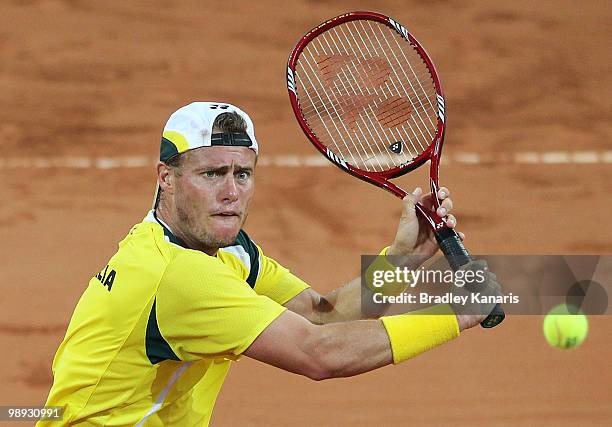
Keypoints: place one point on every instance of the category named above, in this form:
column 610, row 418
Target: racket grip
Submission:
column 457, row 255
column 452, row 247
column 494, row 318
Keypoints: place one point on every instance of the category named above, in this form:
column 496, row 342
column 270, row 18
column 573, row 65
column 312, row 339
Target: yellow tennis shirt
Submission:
column 152, row 337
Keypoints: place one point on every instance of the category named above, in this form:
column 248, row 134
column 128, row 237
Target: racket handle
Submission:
column 452, row 247
column 457, row 255
column 494, row 318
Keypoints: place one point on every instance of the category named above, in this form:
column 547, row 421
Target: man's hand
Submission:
column 472, row 313
column 414, row 237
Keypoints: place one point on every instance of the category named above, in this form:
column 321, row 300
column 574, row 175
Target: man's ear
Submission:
column 165, row 177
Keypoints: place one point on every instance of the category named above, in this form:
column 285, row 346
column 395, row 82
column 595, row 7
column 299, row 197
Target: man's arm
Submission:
column 319, row 352
column 341, row 305
column 413, row 239
column 344, row 349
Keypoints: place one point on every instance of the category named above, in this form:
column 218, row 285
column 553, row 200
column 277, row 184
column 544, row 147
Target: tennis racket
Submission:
column 368, row 97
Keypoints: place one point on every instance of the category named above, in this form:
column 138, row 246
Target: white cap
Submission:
column 190, row 127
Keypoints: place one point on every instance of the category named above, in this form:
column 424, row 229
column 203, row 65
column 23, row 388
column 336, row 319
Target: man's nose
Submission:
column 229, row 191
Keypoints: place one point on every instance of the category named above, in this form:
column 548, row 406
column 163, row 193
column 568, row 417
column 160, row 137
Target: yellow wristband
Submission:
column 414, row 333
column 382, row 265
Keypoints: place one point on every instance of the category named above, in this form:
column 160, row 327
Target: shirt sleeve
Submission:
column 205, row 310
column 276, row 282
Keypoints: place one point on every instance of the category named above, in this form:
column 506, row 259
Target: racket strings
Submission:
column 409, row 80
column 417, row 128
column 384, row 66
column 368, row 96
column 352, row 105
column 330, row 110
column 395, row 90
column 417, row 79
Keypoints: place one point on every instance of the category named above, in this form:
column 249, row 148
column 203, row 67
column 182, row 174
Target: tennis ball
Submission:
column 565, row 327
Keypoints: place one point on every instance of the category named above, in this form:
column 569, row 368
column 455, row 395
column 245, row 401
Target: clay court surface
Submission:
column 98, row 79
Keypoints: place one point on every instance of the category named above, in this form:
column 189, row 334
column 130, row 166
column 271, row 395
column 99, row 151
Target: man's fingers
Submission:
column 411, row 200
column 443, row 193
column 427, row 201
column 445, row 207
column 447, row 203
column 451, row 221
column 461, row 235
column 417, row 194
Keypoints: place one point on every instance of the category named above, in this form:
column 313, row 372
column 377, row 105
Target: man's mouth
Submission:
column 226, row 214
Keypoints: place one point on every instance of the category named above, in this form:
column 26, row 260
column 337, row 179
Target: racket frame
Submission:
column 380, row 179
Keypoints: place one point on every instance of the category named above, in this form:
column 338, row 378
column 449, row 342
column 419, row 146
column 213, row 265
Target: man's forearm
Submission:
column 322, row 351
column 352, row 348
column 356, row 300
column 350, row 302
column 349, row 348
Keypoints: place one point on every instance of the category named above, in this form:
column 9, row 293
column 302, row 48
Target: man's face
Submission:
column 212, row 192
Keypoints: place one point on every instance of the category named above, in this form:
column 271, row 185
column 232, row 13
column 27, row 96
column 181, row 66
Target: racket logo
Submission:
column 335, row 158
column 291, row 81
column 399, row 28
column 440, row 107
column 396, row 147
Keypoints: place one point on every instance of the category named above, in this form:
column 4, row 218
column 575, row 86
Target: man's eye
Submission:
column 244, row 175
column 210, row 174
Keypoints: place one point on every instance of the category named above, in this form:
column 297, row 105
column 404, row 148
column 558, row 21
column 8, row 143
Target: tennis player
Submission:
column 188, row 292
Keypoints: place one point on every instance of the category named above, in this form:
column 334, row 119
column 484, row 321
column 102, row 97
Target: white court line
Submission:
column 312, row 160
column 585, row 157
column 556, row 157
column 467, row 158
